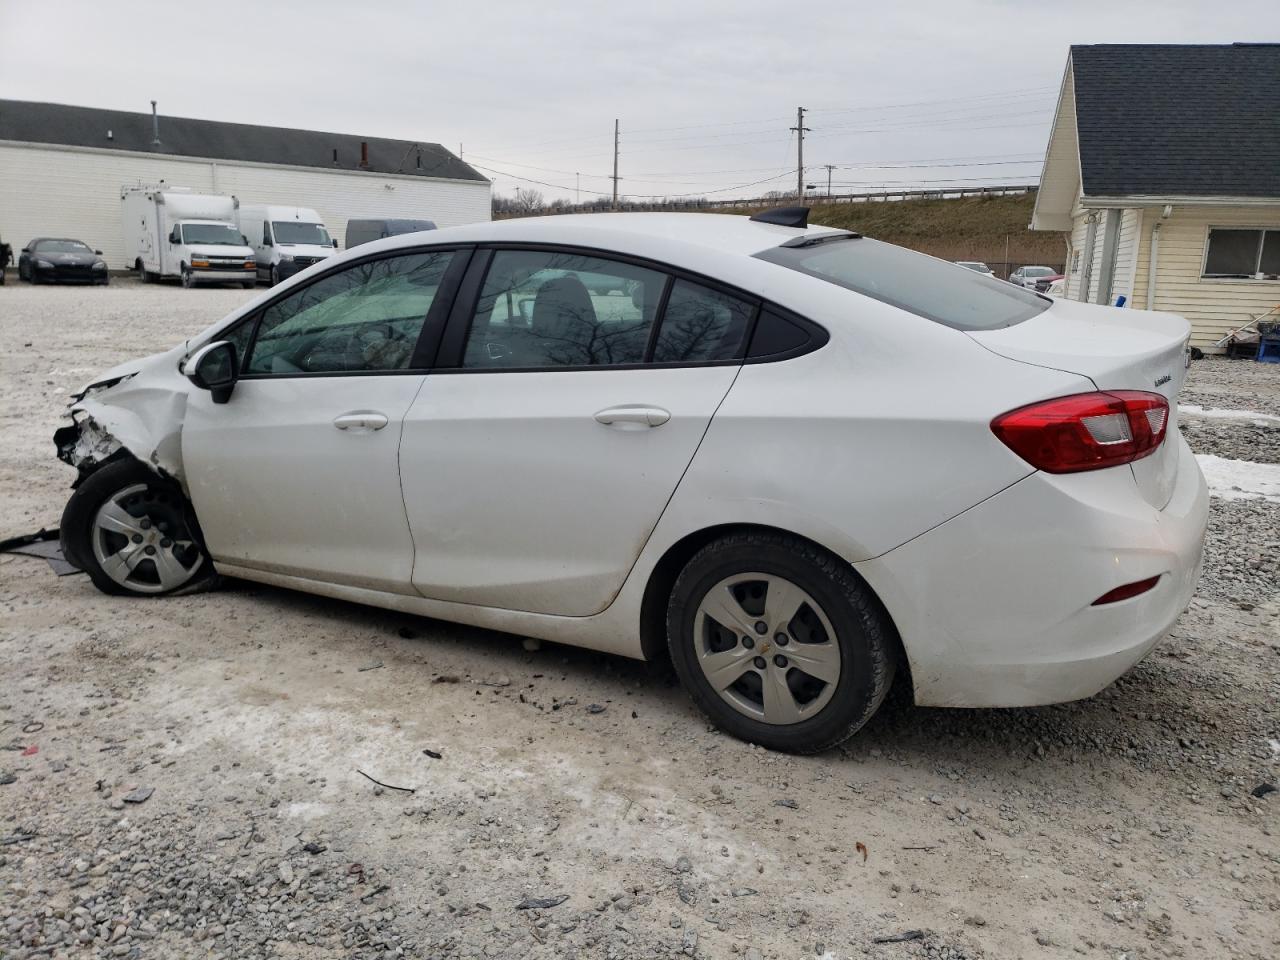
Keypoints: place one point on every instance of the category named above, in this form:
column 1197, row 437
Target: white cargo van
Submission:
column 174, row 232
column 284, row 239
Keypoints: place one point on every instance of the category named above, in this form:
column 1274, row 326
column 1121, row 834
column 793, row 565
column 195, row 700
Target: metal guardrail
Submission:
column 813, row 199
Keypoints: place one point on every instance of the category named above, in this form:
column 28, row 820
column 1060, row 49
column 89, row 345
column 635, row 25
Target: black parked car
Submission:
column 47, row 260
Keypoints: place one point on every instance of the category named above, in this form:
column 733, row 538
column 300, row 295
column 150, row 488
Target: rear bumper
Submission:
column 994, row 606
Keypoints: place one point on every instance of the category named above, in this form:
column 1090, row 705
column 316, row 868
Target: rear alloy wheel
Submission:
column 131, row 531
column 779, row 642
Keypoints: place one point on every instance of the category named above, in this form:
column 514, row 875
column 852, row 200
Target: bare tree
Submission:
column 528, row 201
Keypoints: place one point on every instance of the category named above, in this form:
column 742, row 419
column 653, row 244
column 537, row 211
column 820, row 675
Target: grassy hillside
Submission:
column 972, row 228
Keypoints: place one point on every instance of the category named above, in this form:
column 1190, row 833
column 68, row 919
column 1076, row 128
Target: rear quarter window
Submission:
column 934, row 289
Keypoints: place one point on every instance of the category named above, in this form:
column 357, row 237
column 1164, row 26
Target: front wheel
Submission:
column 188, row 280
column 274, row 277
column 132, row 531
column 779, row 642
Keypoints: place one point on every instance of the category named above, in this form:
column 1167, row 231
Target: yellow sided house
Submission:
column 1164, row 165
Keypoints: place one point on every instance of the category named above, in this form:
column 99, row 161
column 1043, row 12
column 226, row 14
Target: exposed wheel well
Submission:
column 653, row 608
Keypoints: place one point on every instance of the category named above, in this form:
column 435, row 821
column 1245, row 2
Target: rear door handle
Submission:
column 361, row 421
column 633, row 413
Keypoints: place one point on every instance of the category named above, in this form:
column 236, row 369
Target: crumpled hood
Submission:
column 129, row 368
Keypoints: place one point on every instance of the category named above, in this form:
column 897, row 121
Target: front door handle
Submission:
column 361, row 421
column 633, row 413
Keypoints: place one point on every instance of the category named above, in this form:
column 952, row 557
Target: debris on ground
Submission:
column 904, row 937
column 541, row 903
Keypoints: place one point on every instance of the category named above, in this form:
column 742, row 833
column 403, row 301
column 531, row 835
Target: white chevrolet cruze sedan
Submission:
column 791, row 459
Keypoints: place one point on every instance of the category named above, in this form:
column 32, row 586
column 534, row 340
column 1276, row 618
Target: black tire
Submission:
column 865, row 637
column 172, row 513
column 188, row 280
column 274, row 277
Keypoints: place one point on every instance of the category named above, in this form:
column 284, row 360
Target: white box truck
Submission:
column 285, row 240
column 174, row 232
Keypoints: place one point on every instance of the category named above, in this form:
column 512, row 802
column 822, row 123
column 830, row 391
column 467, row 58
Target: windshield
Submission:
column 62, row 246
column 1039, row 272
column 290, row 232
column 215, row 234
column 934, row 289
column 973, row 265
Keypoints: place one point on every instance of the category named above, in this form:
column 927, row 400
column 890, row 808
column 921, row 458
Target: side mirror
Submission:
column 266, row 242
column 173, row 237
column 245, row 240
column 97, row 253
column 335, row 244
column 214, row 367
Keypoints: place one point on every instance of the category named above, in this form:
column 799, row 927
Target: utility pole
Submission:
column 800, row 130
column 830, row 167
column 577, row 189
column 615, row 165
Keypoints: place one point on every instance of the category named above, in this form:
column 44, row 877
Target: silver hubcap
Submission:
column 140, row 541
column 767, row 648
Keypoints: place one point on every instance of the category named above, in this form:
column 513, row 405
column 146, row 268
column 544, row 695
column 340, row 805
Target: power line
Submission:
column 764, row 123
column 640, row 196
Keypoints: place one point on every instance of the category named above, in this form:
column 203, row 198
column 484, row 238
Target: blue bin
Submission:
column 1268, row 349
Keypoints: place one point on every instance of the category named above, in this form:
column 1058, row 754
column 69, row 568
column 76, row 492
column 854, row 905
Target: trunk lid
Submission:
column 1117, row 349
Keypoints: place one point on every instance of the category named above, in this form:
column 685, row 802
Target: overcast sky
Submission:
column 960, row 91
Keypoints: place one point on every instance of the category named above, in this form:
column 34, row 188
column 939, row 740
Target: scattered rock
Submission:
column 541, row 903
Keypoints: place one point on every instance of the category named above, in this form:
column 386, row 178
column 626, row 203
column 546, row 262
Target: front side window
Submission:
column 1243, row 254
column 929, row 288
column 365, row 318
column 541, row 309
column 701, row 325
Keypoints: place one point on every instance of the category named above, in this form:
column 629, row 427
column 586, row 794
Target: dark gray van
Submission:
column 362, row 231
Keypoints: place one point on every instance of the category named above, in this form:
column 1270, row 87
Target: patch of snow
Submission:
column 1240, row 479
column 1261, row 419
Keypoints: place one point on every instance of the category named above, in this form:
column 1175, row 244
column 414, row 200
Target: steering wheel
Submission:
column 376, row 346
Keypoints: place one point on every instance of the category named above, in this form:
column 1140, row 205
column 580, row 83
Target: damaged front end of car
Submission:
column 137, row 412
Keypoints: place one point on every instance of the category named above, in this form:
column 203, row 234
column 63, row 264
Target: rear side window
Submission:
column 929, row 288
column 777, row 337
column 552, row 309
column 701, row 325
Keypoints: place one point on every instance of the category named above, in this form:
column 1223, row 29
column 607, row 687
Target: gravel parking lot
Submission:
column 180, row 778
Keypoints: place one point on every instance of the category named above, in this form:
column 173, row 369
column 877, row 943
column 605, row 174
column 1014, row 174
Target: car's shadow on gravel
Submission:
column 1147, row 716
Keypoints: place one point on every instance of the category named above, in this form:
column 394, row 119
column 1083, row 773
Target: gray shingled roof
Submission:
column 1167, row 120
column 64, row 125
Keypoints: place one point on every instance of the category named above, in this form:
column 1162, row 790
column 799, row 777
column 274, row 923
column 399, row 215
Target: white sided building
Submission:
column 62, row 170
column 1163, row 169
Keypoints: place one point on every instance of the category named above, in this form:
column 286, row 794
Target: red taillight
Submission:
column 1127, row 591
column 1086, row 431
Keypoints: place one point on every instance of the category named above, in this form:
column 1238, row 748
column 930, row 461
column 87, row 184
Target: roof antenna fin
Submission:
column 784, row 217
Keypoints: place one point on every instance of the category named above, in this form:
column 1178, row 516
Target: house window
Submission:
column 1243, row 254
